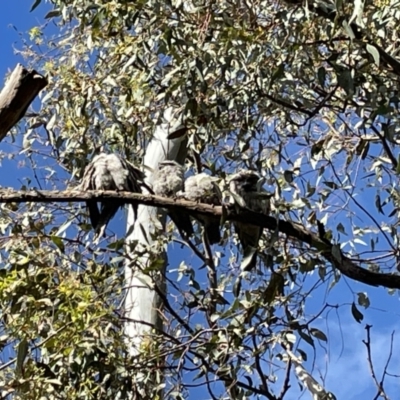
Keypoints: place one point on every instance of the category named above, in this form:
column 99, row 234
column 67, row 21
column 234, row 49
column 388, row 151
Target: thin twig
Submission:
column 381, row 391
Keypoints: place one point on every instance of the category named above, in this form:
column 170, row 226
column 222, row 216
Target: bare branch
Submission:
column 331, row 252
column 18, row 93
column 379, row 385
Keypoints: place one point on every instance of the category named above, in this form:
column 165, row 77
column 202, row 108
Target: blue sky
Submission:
column 15, row 23
column 15, row 14
column 345, row 366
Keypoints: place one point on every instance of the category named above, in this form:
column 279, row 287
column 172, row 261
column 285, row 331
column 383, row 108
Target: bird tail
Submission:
column 108, row 210
column 212, row 232
column 182, row 222
column 94, row 214
column 249, row 235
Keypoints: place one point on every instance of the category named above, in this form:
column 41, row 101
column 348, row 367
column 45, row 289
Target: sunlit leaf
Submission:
column 374, row 52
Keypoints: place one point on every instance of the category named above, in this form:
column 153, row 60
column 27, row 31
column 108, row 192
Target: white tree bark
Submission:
column 20, row 90
column 142, row 302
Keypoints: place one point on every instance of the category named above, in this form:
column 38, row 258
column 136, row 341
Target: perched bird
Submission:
column 168, row 180
column 201, row 188
column 109, row 172
column 245, row 187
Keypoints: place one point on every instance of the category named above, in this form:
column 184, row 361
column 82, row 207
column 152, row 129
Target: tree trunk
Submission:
column 143, row 304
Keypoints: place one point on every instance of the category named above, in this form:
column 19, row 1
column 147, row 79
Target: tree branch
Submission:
column 381, row 391
column 330, row 251
column 21, row 88
column 361, row 35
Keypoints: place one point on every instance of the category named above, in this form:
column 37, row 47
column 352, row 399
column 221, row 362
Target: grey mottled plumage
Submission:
column 201, row 188
column 246, row 187
column 168, row 180
column 109, row 172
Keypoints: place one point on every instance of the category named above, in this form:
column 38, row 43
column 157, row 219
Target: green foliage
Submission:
column 309, row 102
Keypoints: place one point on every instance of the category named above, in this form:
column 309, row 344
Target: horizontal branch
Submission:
column 292, row 229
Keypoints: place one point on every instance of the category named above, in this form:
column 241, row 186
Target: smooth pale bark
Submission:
column 142, row 303
column 20, row 90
